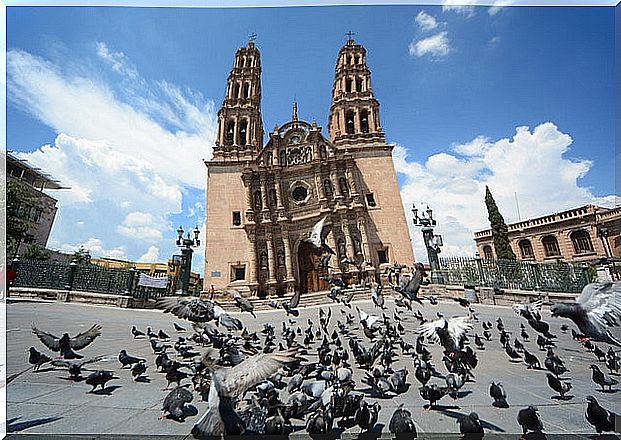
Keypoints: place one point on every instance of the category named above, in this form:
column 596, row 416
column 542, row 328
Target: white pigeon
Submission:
column 317, row 237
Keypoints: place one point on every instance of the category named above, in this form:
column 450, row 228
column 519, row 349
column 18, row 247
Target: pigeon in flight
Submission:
column 66, row 344
column 317, row 237
column 597, row 308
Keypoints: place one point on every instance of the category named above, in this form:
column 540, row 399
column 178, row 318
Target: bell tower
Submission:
column 354, row 113
column 240, row 126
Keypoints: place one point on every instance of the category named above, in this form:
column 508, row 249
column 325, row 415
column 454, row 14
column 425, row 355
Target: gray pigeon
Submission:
column 174, row 403
column 597, row 308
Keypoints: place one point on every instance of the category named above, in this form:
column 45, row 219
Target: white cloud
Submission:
column 436, row 46
column 125, row 146
column 117, row 60
column 151, row 256
column 425, row 21
column 498, row 6
column 141, row 226
column 494, row 41
column 458, row 7
column 533, row 164
column 97, row 249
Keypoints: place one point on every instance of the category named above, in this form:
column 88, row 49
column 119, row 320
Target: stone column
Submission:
column 371, row 116
column 252, row 256
column 278, row 189
column 343, row 124
column 235, row 130
column 348, row 243
column 264, row 194
column 362, row 226
column 356, row 121
column 288, row 261
column 270, row 258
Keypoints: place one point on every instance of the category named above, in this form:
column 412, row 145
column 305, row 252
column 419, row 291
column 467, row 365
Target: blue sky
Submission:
column 118, row 101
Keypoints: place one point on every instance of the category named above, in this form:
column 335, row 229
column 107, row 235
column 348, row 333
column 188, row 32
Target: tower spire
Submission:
column 240, row 126
column 354, row 113
column 294, row 113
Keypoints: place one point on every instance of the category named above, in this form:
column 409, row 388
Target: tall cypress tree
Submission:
column 500, row 233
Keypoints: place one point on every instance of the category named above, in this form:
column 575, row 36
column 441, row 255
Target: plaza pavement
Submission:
column 46, row 402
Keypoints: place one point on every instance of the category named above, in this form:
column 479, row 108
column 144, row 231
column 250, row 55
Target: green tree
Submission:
column 81, row 256
column 36, row 252
column 17, row 199
column 499, row 228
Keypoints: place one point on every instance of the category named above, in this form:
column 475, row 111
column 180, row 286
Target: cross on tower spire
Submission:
column 252, row 37
column 350, row 34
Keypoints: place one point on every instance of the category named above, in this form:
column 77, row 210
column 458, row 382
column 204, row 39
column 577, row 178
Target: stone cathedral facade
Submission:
column 262, row 199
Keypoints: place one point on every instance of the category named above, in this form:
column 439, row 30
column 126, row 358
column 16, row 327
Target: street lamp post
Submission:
column 426, row 222
column 186, row 245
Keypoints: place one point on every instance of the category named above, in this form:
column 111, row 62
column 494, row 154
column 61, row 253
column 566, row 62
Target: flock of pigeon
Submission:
column 302, row 376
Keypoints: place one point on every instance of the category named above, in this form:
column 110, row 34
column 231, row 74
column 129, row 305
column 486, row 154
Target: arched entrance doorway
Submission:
column 309, row 271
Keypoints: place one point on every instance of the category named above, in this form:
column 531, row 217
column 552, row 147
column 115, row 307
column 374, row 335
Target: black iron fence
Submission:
column 511, row 274
column 85, row 277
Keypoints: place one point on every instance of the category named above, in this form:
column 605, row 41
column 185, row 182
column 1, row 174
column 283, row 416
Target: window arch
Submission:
column 364, row 121
column 230, row 132
column 348, row 85
column 358, row 84
column 243, row 132
column 236, row 90
column 327, row 188
column 488, row 254
column 526, row 249
column 247, row 90
column 581, row 240
column 550, row 246
column 349, row 122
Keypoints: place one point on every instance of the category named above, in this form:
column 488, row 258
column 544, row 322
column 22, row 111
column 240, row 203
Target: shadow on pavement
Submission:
column 486, row 425
column 16, row 427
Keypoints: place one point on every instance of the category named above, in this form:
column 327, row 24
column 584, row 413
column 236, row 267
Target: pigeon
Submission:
column 126, row 359
column 410, row 286
column 320, row 421
column 601, row 419
column 376, row 295
column 138, row 370
column 497, row 392
column 100, row 377
column 454, row 382
column 531, row 360
column 36, row 358
column 366, row 415
column 511, row 352
column 244, row 304
column 291, row 305
column 66, row 344
column 602, row 379
column 470, row 426
column 220, row 417
column 554, row 364
column 478, row 342
column 136, row 333
column 162, row 335
column 75, row 367
column 178, row 327
column 597, row 308
column 448, row 332
column 277, row 425
column 529, row 420
column 174, row 403
column 401, row 423
column 557, row 385
column 432, row 393
column 195, row 309
column 317, row 238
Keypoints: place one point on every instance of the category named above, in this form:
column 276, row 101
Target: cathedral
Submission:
column 264, row 199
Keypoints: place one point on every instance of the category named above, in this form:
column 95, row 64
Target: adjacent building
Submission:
column 580, row 234
column 40, row 210
column 263, row 199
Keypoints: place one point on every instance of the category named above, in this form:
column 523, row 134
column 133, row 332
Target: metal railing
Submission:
column 514, row 274
column 85, row 277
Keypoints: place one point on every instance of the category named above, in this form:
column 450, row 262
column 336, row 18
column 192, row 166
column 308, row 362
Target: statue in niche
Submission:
column 272, row 197
column 357, row 246
column 270, row 158
column 327, row 188
column 258, row 203
column 263, row 260
column 343, row 186
column 280, row 258
column 341, row 248
column 283, row 158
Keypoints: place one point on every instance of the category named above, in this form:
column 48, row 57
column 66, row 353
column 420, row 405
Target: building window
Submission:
column 349, row 122
column 246, row 90
column 236, row 218
column 358, row 85
column 283, row 158
column 371, row 200
column 550, row 246
column 582, row 242
column 230, row 132
column 526, row 249
column 364, row 121
column 236, row 91
column 238, row 273
column 348, row 85
column 299, row 193
column 488, row 254
column 382, row 256
column 243, row 128
column 327, row 188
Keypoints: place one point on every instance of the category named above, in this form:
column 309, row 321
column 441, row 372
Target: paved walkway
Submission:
column 46, row 402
